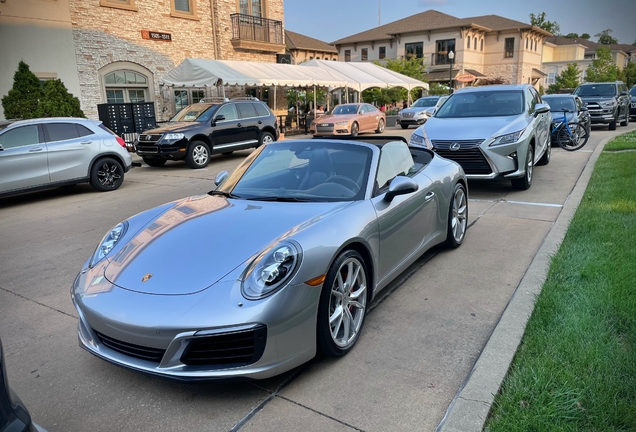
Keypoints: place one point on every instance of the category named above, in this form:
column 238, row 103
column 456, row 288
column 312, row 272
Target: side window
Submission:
column 61, row 131
column 395, row 160
column 246, row 110
column 20, row 136
column 83, row 130
column 229, row 111
column 261, row 109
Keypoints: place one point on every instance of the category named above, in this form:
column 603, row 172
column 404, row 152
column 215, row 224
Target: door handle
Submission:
column 35, row 149
column 238, row 125
column 86, row 142
column 429, row 196
column 260, row 122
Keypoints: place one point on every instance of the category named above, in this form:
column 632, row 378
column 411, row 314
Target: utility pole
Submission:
column 378, row 13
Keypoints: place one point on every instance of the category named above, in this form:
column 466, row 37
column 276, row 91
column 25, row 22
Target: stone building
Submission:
column 487, row 47
column 122, row 48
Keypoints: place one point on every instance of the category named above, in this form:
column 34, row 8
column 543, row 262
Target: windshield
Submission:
column 302, row 171
column 607, row 90
column 425, row 102
column 196, row 112
column 494, row 103
column 559, row 103
column 345, row 109
column 633, row 91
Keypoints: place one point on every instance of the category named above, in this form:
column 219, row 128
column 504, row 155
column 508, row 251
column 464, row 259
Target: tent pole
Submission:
column 314, row 100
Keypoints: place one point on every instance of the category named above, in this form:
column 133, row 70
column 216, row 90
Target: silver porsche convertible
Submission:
column 278, row 263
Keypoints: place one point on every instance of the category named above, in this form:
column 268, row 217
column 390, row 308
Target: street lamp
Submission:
column 451, row 56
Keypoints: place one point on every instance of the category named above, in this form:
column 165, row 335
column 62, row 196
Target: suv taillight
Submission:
column 121, row 141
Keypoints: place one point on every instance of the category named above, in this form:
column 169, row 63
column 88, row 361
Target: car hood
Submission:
column 417, row 109
column 473, row 127
column 173, row 127
column 197, row 241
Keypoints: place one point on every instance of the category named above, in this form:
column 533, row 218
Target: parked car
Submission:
column 421, row 110
column 49, row 152
column 206, row 128
column 578, row 111
column 491, row 131
column 632, row 104
column 14, row 416
column 279, row 262
column 349, row 119
column 607, row 102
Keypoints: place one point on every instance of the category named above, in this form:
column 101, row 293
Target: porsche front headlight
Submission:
column 271, row 270
column 108, row 243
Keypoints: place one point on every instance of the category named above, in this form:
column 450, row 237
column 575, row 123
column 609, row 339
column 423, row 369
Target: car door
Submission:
column 71, row 147
column 228, row 131
column 23, row 158
column 249, row 121
column 541, row 122
column 407, row 221
column 373, row 115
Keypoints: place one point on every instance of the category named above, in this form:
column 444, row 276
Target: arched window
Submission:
column 468, row 43
column 125, row 84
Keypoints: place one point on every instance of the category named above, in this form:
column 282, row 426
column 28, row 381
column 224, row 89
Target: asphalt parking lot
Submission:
column 418, row 345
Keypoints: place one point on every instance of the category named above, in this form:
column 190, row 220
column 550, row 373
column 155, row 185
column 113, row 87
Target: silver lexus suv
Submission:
column 491, row 131
column 48, row 152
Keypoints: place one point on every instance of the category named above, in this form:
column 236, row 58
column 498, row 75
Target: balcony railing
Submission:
column 257, row 29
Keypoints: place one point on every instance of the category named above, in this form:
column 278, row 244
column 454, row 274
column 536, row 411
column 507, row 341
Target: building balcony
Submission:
column 257, row 34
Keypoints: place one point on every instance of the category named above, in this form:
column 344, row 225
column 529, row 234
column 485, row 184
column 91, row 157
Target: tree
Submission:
column 602, row 69
column 412, row 67
column 572, row 35
column 58, row 102
column 629, row 74
column 540, row 21
column 586, row 36
column 604, row 37
column 24, row 97
column 436, row 89
column 568, row 79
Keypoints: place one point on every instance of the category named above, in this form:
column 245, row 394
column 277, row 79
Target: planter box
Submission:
column 391, row 120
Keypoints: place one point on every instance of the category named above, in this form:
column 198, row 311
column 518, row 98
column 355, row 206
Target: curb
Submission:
column 471, row 405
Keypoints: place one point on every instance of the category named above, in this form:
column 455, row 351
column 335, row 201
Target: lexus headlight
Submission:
column 271, row 270
column 342, row 123
column 108, row 243
column 419, row 138
column 508, row 138
column 173, row 137
column 608, row 104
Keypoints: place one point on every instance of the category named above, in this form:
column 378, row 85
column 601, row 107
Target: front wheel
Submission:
column 457, row 217
column 343, row 305
column 198, row 155
column 107, row 175
column 154, row 162
column 265, row 138
column 404, row 126
column 575, row 139
column 354, row 129
column 525, row 182
column 626, row 121
column 545, row 159
column 380, row 128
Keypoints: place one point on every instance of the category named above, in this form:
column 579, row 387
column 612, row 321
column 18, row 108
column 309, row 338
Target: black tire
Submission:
column 545, row 159
column 355, row 129
column 525, row 182
column 327, row 305
column 380, row 128
column 107, row 174
column 626, row 121
column 265, row 138
column 579, row 138
column 154, row 162
column 198, row 155
column 404, row 126
column 457, row 217
column 612, row 125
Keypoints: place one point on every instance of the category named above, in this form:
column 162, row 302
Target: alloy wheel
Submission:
column 347, row 302
column 460, row 211
column 108, row 174
column 200, row 155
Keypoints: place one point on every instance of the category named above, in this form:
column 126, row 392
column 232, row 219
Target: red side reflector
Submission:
column 121, row 142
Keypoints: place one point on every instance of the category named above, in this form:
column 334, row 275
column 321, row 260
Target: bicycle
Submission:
column 570, row 136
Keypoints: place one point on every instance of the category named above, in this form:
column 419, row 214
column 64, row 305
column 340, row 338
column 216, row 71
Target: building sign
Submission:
column 465, row 77
column 153, row 35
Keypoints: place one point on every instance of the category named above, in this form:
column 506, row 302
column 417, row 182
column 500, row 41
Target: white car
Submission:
column 492, row 132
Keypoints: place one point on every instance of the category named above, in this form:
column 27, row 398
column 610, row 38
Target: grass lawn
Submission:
column 575, row 369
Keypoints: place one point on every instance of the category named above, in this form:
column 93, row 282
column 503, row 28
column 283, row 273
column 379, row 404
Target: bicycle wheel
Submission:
column 573, row 139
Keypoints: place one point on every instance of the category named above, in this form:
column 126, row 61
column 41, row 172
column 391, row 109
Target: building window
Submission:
column 365, row 54
column 347, row 55
column 45, row 76
column 482, row 45
column 443, row 48
column 475, row 44
column 509, row 50
column 183, row 9
column 468, row 43
column 382, row 52
column 527, row 43
column 414, row 50
column 120, row 4
column 126, row 82
column 551, row 78
column 251, row 7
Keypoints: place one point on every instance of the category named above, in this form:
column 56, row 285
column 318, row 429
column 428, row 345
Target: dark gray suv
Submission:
column 607, row 102
column 206, row 128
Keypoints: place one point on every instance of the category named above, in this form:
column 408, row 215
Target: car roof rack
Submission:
column 214, row 100
column 252, row 98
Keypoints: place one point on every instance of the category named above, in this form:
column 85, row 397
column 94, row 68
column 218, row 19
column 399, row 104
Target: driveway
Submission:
column 419, row 343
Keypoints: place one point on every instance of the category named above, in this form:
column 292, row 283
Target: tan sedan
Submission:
column 349, row 119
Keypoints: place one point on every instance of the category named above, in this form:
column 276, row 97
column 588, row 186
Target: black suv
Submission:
column 632, row 109
column 206, row 128
column 607, row 102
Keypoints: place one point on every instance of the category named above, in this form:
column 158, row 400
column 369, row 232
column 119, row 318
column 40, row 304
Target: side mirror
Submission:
column 400, row 185
column 1, row 148
column 218, row 119
column 221, row 177
column 541, row 108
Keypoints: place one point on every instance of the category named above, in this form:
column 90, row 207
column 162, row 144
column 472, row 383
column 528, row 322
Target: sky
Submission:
column 330, row 20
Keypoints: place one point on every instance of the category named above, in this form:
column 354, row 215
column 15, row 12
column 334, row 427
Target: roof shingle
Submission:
column 298, row 41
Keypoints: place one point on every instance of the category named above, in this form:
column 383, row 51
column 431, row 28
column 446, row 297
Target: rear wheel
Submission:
column 107, row 175
column 343, row 305
column 380, row 128
column 457, row 217
column 198, row 155
column 154, row 162
column 612, row 125
column 626, row 121
column 525, row 182
column 354, row 129
column 265, row 138
column 545, row 159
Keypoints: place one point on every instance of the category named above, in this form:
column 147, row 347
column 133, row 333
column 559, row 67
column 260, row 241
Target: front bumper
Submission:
column 155, row 149
column 603, row 116
column 114, row 322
